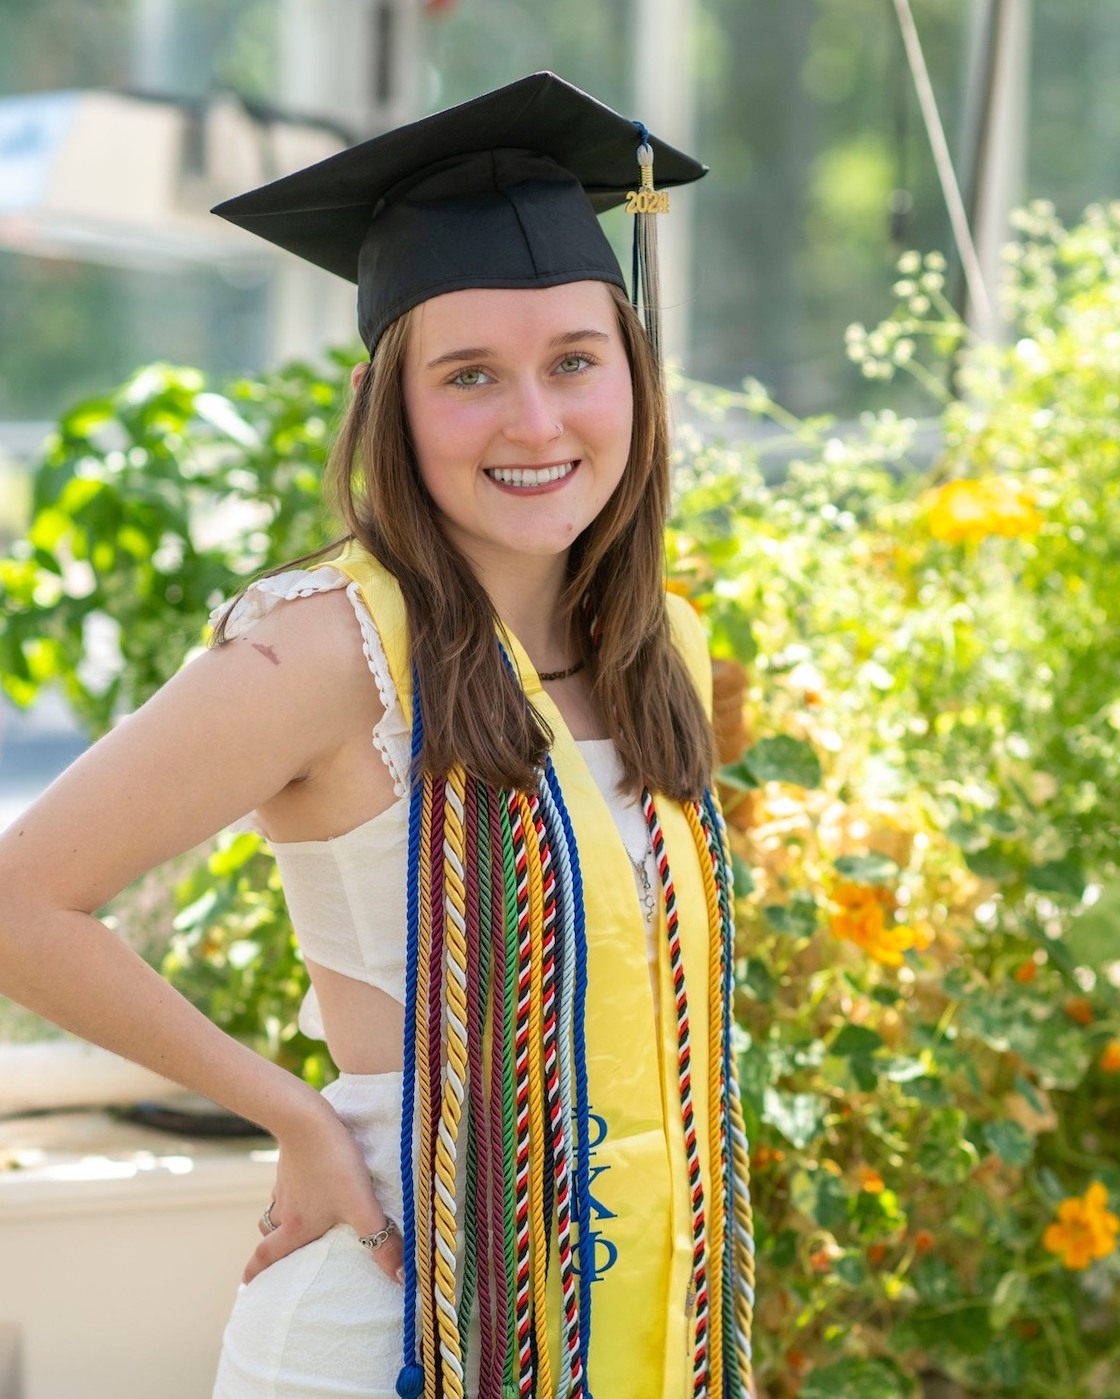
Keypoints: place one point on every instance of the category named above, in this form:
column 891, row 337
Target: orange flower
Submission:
column 1080, row 1009
column 862, row 920
column 682, row 589
column 764, row 1156
column 1110, row 1059
column 923, row 1241
column 820, row 1260
column 1085, row 1228
column 870, row 1180
column 1026, row 972
column 967, row 511
column 877, row 1252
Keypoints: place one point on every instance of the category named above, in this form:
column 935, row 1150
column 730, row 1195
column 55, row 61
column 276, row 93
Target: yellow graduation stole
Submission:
column 593, row 1179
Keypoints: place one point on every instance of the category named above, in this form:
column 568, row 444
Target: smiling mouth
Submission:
column 530, row 476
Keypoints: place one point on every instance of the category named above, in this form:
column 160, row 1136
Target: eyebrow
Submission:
column 477, row 352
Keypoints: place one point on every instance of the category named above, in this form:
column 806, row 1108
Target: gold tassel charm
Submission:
column 645, row 203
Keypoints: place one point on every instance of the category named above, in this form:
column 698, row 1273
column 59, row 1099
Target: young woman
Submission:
column 475, row 736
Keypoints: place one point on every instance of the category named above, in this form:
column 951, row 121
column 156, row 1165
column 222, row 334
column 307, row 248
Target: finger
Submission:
column 274, row 1246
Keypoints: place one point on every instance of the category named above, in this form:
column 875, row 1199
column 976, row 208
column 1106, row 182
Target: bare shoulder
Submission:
column 310, row 641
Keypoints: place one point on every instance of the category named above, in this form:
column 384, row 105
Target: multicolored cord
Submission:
column 496, row 1123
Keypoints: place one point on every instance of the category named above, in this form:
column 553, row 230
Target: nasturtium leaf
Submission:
column 1008, row 1298
column 1061, row 1054
column 1058, row 877
column 798, row 1116
column 1010, row 1142
column 1093, row 938
column 851, row 1268
column 783, row 759
column 927, row 1089
column 1027, row 1089
column 855, row 1039
column 902, row 1069
column 968, row 836
column 738, row 777
column 858, row 1379
column 758, row 981
column 732, row 636
column 991, row 862
column 872, row 868
column 864, row 1071
column 936, row 1280
column 795, row 919
column 1006, row 1363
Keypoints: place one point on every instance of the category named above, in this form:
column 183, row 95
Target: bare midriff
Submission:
column 364, row 1026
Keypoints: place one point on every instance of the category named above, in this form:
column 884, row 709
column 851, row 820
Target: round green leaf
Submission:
column 1008, row 1298
column 858, row 1379
column 1093, row 938
column 798, row 1116
column 855, row 1039
column 1010, row 1142
column 783, row 759
column 871, row 868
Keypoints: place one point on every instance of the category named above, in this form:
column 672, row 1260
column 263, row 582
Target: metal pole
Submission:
column 1001, row 159
column 958, row 219
column 664, row 98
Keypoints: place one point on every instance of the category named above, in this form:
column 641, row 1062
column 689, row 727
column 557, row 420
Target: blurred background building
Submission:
column 122, row 120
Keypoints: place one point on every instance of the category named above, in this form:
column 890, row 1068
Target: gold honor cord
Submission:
column 454, row 1079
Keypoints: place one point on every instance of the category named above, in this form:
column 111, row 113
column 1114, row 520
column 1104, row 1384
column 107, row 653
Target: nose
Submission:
column 531, row 418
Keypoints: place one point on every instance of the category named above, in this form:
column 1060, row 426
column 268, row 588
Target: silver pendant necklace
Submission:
column 646, row 896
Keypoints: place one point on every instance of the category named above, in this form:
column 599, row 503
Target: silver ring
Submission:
column 374, row 1241
column 266, row 1219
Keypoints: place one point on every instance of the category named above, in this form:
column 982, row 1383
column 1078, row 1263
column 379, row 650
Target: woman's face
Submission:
column 519, row 407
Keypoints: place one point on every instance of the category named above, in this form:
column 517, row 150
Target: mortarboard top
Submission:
column 501, row 191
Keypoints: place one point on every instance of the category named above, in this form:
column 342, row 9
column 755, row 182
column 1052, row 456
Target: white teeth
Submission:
column 519, row 476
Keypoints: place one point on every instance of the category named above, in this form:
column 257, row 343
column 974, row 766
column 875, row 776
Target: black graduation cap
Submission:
column 501, row 191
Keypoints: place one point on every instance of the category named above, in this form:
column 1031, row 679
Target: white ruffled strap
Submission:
column 390, row 733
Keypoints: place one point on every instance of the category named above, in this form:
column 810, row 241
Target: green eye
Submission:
column 467, row 378
column 573, row 364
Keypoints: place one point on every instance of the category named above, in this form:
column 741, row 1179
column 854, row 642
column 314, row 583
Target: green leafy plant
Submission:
column 924, row 811
column 930, row 816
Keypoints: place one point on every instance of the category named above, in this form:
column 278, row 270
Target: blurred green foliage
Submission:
column 930, row 943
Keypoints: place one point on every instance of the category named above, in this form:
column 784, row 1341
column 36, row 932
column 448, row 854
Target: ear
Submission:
column 357, row 374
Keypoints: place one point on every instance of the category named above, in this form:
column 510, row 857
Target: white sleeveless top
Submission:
column 347, row 895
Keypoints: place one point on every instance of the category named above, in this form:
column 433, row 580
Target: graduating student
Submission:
column 475, row 733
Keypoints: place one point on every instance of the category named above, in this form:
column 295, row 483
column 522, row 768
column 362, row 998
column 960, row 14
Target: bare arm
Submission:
column 234, row 729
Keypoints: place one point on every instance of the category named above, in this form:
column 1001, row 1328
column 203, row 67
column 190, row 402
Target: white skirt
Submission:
column 325, row 1321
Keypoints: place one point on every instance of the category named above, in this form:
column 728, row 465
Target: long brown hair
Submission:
column 474, row 711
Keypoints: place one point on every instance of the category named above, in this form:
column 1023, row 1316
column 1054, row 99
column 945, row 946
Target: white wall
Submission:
column 120, row 1252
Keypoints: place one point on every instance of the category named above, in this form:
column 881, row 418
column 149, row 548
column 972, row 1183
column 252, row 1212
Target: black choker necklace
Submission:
column 560, row 674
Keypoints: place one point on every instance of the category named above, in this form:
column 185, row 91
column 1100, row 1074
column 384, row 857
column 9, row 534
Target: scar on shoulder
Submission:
column 266, row 651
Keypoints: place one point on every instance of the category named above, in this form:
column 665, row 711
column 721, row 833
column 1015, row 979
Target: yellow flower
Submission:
column 862, row 920
column 967, row 511
column 1084, row 1230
